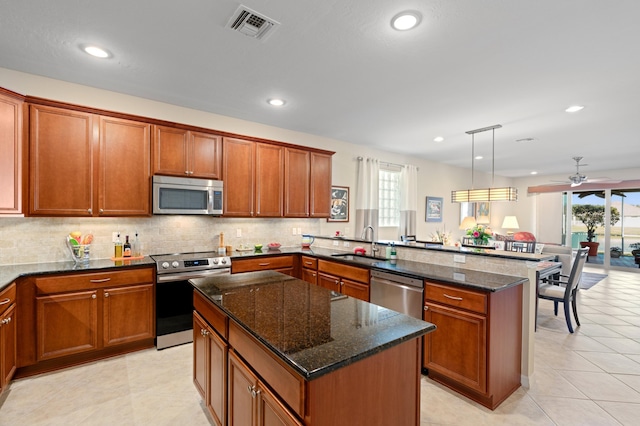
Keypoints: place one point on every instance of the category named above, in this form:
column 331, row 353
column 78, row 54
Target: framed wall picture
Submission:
column 467, row 209
column 483, row 213
column 433, row 210
column 339, row 204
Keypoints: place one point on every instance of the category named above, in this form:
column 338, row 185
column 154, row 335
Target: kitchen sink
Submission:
column 359, row 258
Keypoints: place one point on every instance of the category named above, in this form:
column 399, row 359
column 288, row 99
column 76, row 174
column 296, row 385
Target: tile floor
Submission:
column 589, row 378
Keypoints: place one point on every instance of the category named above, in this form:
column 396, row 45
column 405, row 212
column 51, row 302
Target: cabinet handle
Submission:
column 106, row 294
column 186, row 172
column 451, row 297
column 5, row 301
column 426, row 308
column 6, row 320
column 93, row 296
column 101, row 211
column 264, row 264
column 308, row 263
column 103, row 280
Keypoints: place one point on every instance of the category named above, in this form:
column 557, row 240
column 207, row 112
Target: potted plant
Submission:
column 616, row 252
column 592, row 216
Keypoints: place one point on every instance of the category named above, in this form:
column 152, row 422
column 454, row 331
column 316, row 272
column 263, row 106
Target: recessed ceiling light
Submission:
column 438, row 139
column 276, row 102
column 406, row 20
column 478, row 157
column 534, row 172
column 574, row 108
column 96, row 51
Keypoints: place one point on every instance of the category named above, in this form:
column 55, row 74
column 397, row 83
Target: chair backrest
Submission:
column 563, row 254
column 576, row 271
column 520, row 246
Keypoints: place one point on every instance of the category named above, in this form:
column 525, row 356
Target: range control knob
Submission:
column 215, row 261
column 175, row 264
column 223, row 261
column 165, row 265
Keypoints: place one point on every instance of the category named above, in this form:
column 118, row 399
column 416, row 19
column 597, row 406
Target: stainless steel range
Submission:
column 174, row 294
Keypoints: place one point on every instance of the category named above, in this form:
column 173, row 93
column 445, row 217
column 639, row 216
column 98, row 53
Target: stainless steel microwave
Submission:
column 182, row 195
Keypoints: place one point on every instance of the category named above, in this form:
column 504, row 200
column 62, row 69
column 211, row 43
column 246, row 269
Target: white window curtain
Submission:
column 408, row 200
column 367, row 195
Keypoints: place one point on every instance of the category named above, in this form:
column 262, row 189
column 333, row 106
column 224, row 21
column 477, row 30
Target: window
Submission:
column 389, row 198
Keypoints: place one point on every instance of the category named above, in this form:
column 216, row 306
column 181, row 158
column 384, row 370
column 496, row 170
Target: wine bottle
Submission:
column 127, row 247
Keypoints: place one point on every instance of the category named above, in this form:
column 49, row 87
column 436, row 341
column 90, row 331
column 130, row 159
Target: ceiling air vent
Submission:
column 251, row 23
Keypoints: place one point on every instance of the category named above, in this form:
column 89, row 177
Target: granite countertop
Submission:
column 312, row 329
column 9, row 273
column 458, row 276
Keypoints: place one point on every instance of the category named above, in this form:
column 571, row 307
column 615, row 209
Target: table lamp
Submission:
column 510, row 223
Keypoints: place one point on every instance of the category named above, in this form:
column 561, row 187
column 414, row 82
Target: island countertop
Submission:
column 310, row 328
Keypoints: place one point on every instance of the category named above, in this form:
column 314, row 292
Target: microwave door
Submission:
column 176, row 199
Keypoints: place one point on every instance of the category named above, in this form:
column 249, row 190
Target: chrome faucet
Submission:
column 363, row 236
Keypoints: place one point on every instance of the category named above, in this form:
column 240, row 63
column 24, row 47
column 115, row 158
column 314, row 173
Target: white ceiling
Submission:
column 346, row 74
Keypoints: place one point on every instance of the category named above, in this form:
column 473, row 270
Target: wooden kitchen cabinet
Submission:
column 188, row 153
column 346, row 279
column 83, row 164
column 7, row 335
column 210, row 353
column 476, row 348
column 320, row 185
column 283, row 263
column 10, row 153
column 307, row 183
column 80, row 317
column 309, row 269
column 251, row 402
column 269, row 180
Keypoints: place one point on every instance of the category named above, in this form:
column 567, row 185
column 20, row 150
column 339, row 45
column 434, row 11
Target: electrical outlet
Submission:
column 238, row 232
column 294, row 231
column 114, row 237
column 300, row 231
column 346, row 244
column 336, row 243
column 458, row 258
column 459, row 277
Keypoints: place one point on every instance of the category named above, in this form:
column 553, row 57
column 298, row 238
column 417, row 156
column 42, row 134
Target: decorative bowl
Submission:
column 273, row 246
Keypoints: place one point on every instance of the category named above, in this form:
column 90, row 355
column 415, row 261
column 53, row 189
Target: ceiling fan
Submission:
column 578, row 178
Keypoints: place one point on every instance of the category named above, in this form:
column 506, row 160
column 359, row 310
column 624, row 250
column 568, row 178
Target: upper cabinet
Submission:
column 307, row 183
column 10, row 153
column 179, row 152
column 320, row 197
column 79, row 161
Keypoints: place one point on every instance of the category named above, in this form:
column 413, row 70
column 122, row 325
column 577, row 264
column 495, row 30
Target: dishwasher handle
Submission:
column 397, row 279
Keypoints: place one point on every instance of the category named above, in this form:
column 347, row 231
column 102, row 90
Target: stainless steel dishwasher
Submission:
column 397, row 292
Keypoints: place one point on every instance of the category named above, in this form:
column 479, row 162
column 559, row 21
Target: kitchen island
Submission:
column 270, row 346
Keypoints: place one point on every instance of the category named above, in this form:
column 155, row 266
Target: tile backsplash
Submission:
column 39, row 240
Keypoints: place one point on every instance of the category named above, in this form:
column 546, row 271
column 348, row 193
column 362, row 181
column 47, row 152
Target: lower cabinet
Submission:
column 346, row 279
column 251, row 402
column 209, row 368
column 81, row 317
column 476, row 348
column 309, row 271
column 7, row 335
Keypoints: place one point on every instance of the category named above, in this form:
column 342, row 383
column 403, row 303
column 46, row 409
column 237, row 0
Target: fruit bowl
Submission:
column 273, row 246
column 79, row 252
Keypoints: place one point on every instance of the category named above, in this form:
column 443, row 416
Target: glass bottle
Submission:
column 127, row 248
column 118, row 247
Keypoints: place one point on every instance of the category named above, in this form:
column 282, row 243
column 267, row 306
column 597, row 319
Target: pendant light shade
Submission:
column 486, row 194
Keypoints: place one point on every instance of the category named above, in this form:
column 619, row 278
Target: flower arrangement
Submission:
column 480, row 234
column 441, row 237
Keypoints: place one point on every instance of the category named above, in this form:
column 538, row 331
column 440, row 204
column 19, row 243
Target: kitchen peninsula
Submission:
column 301, row 354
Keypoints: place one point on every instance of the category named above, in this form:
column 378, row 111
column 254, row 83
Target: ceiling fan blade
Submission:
column 574, row 184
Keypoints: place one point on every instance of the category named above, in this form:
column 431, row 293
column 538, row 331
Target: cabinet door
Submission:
column 458, row 346
column 239, row 175
column 200, row 355
column 269, row 180
column 271, row 412
column 125, row 172
column 7, row 346
column 310, row 276
column 320, row 196
column 66, row 324
column 128, row 314
column 205, row 155
column 61, row 171
column 10, row 155
column 242, row 392
column 329, row 281
column 355, row 289
column 296, row 182
column 170, row 151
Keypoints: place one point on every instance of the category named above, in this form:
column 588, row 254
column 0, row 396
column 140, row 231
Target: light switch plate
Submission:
column 458, row 258
column 346, row 244
column 238, row 232
column 294, row 231
column 335, row 243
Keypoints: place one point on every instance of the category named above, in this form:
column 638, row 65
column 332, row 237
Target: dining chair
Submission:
column 564, row 289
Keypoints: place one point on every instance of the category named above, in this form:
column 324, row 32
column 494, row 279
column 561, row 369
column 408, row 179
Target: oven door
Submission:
column 174, row 307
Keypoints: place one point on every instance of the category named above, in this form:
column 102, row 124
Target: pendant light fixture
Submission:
column 486, row 194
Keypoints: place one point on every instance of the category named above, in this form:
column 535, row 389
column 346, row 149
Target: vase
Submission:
column 478, row 242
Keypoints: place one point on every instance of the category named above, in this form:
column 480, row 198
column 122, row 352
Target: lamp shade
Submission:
column 468, row 222
column 510, row 222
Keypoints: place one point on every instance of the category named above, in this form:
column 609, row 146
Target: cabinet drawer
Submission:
column 287, row 385
column 344, row 271
column 452, row 296
column 261, row 264
column 7, row 297
column 75, row 282
column 215, row 317
column 309, row 262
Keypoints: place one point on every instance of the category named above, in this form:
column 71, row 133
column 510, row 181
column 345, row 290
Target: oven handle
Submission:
column 195, row 274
